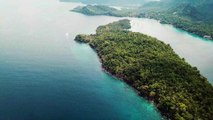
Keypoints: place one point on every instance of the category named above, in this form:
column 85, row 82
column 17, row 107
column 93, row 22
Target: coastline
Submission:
column 118, row 77
column 159, row 90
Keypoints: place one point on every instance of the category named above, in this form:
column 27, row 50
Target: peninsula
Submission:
column 177, row 89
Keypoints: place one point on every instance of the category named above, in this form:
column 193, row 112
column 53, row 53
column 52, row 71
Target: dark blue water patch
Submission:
column 78, row 89
column 67, row 96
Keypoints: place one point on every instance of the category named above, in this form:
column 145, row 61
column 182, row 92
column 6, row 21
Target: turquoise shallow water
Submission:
column 45, row 75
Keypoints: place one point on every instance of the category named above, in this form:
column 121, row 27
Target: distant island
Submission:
column 109, row 2
column 177, row 89
column 183, row 16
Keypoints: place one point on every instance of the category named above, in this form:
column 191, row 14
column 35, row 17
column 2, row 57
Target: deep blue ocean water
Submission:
column 46, row 75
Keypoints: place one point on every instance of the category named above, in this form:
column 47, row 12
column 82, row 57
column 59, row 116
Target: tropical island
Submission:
column 188, row 16
column 151, row 67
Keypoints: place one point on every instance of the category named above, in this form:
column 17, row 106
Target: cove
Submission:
column 45, row 75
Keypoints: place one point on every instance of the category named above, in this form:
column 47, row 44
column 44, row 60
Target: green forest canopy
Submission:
column 178, row 90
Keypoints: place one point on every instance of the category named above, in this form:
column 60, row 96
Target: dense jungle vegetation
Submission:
column 177, row 89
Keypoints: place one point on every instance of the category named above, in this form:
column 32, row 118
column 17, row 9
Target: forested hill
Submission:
column 202, row 8
column 178, row 90
column 194, row 16
column 191, row 2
